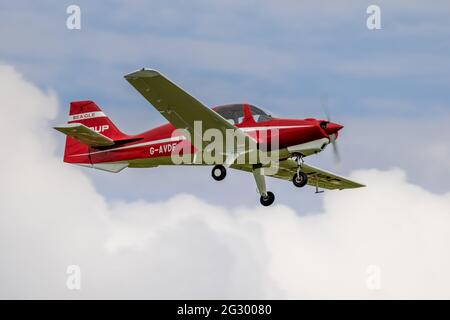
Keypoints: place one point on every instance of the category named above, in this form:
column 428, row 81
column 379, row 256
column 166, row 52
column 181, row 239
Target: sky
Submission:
column 174, row 232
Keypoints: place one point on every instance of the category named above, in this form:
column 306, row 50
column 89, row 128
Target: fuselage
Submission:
column 155, row 146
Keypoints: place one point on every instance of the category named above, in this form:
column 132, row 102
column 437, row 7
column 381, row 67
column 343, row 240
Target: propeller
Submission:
column 333, row 137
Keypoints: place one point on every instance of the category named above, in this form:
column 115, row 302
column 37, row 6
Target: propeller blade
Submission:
column 337, row 155
column 324, row 106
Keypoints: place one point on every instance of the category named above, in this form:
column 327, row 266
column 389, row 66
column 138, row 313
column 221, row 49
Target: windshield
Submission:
column 259, row 115
column 234, row 113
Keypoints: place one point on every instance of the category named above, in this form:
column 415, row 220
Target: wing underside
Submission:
column 316, row 177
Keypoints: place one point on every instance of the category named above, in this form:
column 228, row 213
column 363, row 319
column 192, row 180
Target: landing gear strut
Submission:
column 300, row 179
column 219, row 172
column 267, row 197
column 298, row 157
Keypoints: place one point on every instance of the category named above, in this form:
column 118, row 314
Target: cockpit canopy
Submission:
column 234, row 113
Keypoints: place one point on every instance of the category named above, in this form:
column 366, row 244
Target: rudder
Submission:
column 89, row 114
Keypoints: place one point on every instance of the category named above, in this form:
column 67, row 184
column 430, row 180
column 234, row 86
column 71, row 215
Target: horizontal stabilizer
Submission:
column 85, row 135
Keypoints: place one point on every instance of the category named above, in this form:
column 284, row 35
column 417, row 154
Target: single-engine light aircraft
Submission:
column 195, row 135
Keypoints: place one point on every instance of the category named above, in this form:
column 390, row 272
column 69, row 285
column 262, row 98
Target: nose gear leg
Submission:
column 300, row 179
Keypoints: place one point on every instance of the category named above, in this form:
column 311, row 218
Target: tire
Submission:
column 300, row 180
column 268, row 200
column 219, row 172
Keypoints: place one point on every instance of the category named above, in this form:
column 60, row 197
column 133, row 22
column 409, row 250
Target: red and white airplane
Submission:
column 94, row 141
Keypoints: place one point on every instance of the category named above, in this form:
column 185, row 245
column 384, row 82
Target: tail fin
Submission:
column 90, row 115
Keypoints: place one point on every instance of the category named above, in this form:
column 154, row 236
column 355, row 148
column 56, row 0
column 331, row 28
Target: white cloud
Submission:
column 52, row 217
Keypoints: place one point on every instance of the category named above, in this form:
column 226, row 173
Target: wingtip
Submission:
column 59, row 129
column 360, row 185
column 142, row 73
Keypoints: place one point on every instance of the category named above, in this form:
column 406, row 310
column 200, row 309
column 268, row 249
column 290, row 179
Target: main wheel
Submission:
column 267, row 200
column 300, row 180
column 218, row 172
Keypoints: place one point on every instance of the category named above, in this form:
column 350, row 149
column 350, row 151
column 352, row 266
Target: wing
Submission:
column 316, row 177
column 177, row 106
column 85, row 135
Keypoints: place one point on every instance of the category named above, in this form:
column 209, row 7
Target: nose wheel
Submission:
column 219, row 172
column 300, row 179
